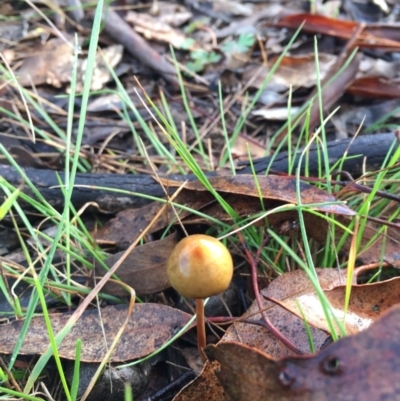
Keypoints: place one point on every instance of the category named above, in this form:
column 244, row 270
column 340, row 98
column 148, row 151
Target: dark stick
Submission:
column 374, row 148
column 122, row 33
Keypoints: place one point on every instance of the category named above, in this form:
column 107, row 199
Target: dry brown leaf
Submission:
column 204, row 387
column 291, row 326
column 154, row 28
column 367, row 303
column 106, row 59
column 383, row 36
column 292, row 71
column 144, row 269
column 149, row 327
column 245, row 144
column 52, row 64
column 272, row 187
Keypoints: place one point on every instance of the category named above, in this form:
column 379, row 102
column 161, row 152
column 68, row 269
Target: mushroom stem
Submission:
column 201, row 328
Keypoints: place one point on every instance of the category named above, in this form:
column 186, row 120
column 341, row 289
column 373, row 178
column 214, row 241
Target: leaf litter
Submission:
column 144, row 268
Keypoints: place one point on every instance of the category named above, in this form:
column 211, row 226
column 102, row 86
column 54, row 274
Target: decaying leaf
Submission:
column 292, row 71
column 360, row 367
column 106, row 59
column 272, row 187
column 52, row 65
column 206, row 386
column 128, row 224
column 153, row 28
column 144, row 269
column 367, row 303
column 372, row 36
column 287, row 285
column 150, row 326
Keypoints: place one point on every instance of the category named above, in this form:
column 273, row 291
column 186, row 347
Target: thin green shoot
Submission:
column 307, row 327
column 128, row 396
column 306, row 105
column 321, row 117
column 7, row 204
column 187, row 157
column 225, row 131
column 255, row 178
column 350, row 268
column 76, row 374
column 193, row 125
column 81, row 124
column 39, row 290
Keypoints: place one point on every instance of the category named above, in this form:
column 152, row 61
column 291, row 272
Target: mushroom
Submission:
column 199, row 267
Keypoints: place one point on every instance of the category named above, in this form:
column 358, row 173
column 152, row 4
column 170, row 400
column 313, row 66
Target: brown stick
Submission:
column 121, row 32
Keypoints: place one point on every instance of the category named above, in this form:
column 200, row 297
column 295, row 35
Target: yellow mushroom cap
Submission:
column 200, row 266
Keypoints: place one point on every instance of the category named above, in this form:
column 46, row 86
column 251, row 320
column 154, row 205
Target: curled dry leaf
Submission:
column 367, row 303
column 145, row 269
column 365, row 366
column 127, row 225
column 371, row 36
column 287, row 285
column 149, row 327
column 272, row 187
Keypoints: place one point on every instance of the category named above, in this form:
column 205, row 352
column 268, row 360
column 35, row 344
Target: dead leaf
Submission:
column 367, row 303
column 204, row 387
column 106, row 59
column 243, row 144
column 372, row 36
column 375, row 87
column 129, row 223
column 293, row 71
column 285, row 286
column 149, row 327
column 272, row 187
column 144, row 269
column 153, row 28
column 52, row 64
column 360, row 367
